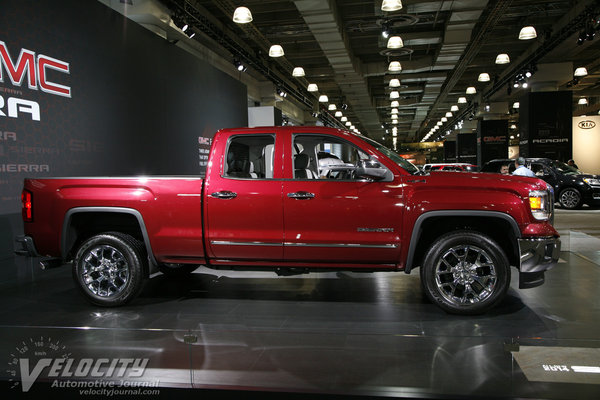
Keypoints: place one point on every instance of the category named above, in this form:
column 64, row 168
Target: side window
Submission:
column 250, row 157
column 538, row 169
column 326, row 157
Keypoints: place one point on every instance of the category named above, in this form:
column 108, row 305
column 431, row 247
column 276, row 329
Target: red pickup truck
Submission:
column 295, row 200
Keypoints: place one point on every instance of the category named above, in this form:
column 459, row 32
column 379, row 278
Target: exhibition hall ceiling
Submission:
column 342, row 47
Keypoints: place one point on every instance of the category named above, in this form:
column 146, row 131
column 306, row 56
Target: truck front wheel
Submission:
column 109, row 268
column 465, row 272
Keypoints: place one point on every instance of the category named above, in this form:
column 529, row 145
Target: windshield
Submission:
column 565, row 169
column 407, row 165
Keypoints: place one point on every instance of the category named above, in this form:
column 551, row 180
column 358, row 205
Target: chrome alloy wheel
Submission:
column 105, row 271
column 465, row 275
column 570, row 198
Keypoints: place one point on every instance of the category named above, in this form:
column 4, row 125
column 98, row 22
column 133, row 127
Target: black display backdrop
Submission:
column 466, row 148
column 492, row 140
column 138, row 104
column 450, row 151
column 546, row 123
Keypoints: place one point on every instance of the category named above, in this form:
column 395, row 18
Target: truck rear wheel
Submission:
column 465, row 272
column 109, row 268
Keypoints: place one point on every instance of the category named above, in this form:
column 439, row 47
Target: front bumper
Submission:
column 536, row 256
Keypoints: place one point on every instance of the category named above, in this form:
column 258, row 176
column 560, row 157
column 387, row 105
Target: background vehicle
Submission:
column 450, row 167
column 572, row 187
column 268, row 203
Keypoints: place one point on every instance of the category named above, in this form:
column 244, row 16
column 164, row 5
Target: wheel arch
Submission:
column 81, row 223
column 434, row 224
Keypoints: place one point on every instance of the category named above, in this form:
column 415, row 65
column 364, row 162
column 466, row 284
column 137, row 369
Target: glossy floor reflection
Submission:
column 344, row 333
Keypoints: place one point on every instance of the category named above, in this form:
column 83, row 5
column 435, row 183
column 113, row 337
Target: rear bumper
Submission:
column 536, row 256
column 24, row 246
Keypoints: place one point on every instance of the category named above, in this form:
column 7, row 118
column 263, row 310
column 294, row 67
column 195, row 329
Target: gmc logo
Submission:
column 587, row 124
column 35, row 68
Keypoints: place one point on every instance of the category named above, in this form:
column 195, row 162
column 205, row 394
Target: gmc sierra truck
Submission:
column 295, row 200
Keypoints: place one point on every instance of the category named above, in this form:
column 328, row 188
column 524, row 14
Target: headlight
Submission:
column 541, row 209
column 592, row 181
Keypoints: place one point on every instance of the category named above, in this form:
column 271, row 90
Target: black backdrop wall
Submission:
column 138, row 104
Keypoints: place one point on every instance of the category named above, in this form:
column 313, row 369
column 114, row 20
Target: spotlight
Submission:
column 344, row 106
column 385, row 31
column 281, row 92
column 487, row 107
column 239, row 66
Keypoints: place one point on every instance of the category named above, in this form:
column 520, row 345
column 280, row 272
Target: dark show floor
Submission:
column 256, row 334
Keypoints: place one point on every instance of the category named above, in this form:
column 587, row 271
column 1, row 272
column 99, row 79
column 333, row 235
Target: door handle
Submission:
column 301, row 195
column 225, row 194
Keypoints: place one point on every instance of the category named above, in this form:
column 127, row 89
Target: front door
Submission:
column 330, row 215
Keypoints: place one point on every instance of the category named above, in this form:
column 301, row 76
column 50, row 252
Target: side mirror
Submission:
column 370, row 169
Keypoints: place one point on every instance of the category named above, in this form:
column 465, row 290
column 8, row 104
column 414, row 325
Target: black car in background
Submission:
column 572, row 188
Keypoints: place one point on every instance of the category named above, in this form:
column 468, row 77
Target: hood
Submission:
column 521, row 184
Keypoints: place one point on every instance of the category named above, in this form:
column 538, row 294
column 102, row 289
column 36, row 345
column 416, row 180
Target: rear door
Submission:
column 244, row 215
column 338, row 218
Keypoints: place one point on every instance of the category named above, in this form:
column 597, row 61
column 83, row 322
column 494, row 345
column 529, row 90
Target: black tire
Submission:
column 177, row 270
column 465, row 272
column 109, row 268
column 570, row 198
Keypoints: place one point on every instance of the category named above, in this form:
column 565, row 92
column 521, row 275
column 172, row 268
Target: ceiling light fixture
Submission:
column 281, row 92
column 471, row 90
column 394, row 82
column 239, row 66
column 448, row 114
column 338, row 114
column 391, row 5
column 395, row 103
column 344, row 119
column 454, row 108
column 527, row 33
column 484, row 77
column 394, row 111
column 502, row 58
column 444, row 119
column 348, row 123
column 394, row 94
column 312, row 87
column 242, row 15
column 331, row 107
column 276, row 51
column 395, row 66
column 516, row 104
column 323, row 98
column 298, row 72
column 583, row 101
column 581, row 71
column 462, row 100
column 395, row 42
